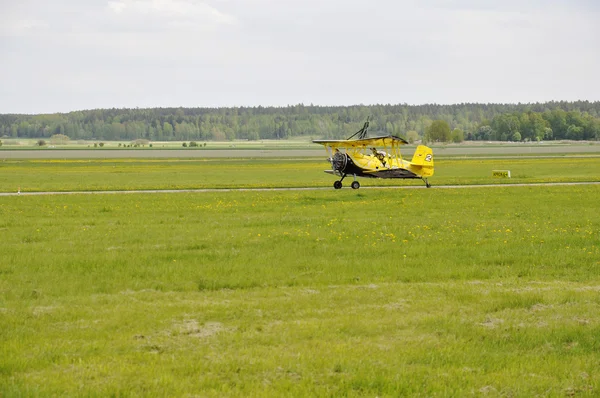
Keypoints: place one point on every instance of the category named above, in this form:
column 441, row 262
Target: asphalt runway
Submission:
column 215, row 190
column 318, row 151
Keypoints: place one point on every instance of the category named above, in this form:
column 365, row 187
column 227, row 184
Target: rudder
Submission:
column 423, row 156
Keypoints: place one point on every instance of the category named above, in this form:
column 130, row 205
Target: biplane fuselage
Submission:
column 377, row 157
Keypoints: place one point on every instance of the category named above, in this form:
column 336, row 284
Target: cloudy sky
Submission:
column 64, row 55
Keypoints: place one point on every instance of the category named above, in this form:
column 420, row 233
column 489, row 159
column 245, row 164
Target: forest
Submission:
column 556, row 120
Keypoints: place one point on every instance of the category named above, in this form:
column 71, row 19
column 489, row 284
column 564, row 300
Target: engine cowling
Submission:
column 339, row 161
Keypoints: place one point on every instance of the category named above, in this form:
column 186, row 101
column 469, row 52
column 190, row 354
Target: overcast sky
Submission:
column 64, row 55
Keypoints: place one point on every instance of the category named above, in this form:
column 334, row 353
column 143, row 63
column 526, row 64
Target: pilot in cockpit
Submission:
column 381, row 155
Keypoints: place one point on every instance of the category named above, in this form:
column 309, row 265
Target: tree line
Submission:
column 579, row 120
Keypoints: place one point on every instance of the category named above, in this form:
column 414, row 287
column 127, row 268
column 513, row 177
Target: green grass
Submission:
column 126, row 174
column 76, row 175
column 377, row 292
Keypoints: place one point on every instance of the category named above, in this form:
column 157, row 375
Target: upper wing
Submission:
column 383, row 141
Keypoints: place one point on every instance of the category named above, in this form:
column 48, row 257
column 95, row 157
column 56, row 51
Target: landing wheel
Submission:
column 337, row 184
column 428, row 185
column 355, row 185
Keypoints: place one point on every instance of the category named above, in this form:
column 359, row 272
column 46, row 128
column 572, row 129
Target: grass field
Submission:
column 315, row 293
column 127, row 174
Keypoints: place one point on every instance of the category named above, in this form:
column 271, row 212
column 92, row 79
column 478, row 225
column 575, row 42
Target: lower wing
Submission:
column 392, row 173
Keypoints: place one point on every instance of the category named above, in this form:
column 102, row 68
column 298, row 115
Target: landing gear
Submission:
column 427, row 184
column 338, row 184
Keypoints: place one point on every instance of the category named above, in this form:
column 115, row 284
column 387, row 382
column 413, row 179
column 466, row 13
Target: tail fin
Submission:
column 423, row 156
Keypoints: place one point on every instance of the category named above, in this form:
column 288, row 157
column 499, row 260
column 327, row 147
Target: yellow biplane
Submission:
column 376, row 157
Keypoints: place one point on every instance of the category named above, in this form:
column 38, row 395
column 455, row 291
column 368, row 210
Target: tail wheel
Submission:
column 355, row 185
column 337, row 184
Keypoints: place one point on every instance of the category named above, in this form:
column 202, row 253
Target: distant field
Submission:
column 122, row 149
column 132, row 174
column 318, row 293
column 21, row 143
